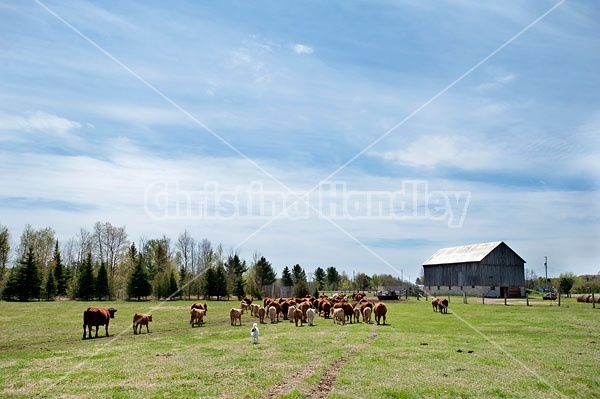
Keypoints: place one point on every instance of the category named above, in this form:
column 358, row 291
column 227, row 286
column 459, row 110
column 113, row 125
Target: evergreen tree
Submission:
column 101, row 285
column 239, row 287
column 220, row 282
column 61, row 276
column 333, row 278
column 183, row 275
column 208, row 283
column 138, row 285
column 133, row 253
column 286, row 277
column 173, row 285
column 27, row 279
column 50, row 287
column 264, row 272
column 320, row 277
column 235, row 270
column 300, row 289
column 85, row 280
column 298, row 274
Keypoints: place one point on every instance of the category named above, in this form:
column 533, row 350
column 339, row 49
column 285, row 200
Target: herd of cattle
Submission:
column 296, row 310
column 304, row 310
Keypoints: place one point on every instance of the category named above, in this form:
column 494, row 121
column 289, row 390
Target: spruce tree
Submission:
column 60, row 273
column 138, row 285
column 101, row 286
column 264, row 272
column 286, row 277
column 85, row 280
column 29, row 280
column 172, row 284
column 220, row 282
column 208, row 283
column 239, row 287
column 50, row 287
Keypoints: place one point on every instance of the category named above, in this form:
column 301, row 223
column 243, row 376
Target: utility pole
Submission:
column 546, row 268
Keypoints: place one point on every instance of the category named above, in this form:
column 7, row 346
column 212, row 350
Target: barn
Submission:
column 491, row 269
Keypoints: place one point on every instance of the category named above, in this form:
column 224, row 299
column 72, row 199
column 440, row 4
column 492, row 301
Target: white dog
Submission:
column 254, row 333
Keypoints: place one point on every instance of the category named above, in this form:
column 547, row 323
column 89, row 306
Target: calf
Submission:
column 273, row 314
column 310, row 316
column 339, row 316
column 261, row 314
column 201, row 306
column 443, row 305
column 290, row 313
column 197, row 317
column 434, row 304
column 140, row 320
column 367, row 315
column 356, row 314
column 298, row 316
column 235, row 315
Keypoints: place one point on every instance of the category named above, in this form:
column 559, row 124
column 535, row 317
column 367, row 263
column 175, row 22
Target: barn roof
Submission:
column 463, row 254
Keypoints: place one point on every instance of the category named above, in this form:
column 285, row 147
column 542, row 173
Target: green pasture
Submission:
column 475, row 351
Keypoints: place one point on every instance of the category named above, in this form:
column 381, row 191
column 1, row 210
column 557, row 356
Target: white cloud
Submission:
column 302, row 49
column 38, row 122
column 430, row 151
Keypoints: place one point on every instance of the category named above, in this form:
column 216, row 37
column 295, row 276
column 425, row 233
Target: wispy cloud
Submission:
column 302, row 49
column 38, row 122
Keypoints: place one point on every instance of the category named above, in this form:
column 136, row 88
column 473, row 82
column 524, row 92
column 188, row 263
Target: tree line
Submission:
column 103, row 264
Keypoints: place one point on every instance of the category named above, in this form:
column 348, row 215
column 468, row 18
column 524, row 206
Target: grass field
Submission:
column 475, row 351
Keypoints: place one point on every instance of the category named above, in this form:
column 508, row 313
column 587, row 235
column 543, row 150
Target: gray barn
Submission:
column 491, row 269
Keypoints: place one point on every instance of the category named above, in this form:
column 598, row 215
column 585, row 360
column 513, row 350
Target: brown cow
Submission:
column 434, row 304
column 235, row 315
column 261, row 314
column 201, row 306
column 140, row 320
column 298, row 316
column 304, row 306
column 95, row 317
column 380, row 310
column 197, row 317
column 326, row 306
column 443, row 305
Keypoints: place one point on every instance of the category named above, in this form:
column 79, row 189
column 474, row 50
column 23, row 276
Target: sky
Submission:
column 359, row 135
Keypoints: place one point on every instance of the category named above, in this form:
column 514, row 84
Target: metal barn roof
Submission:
column 464, row 254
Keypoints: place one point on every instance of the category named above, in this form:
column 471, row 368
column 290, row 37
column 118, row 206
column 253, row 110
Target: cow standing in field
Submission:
column 140, row 320
column 379, row 310
column 443, row 305
column 201, row 306
column 197, row 316
column 434, row 304
column 96, row 317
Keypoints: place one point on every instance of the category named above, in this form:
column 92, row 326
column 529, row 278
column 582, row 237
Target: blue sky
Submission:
column 102, row 104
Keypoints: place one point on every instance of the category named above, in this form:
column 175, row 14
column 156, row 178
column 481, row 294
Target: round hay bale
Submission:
column 596, row 298
column 588, row 298
column 581, row 297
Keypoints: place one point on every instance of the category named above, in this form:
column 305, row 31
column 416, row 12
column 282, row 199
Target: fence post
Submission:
column 505, row 299
column 559, row 295
column 593, row 301
column 527, row 297
column 483, row 298
column 464, row 297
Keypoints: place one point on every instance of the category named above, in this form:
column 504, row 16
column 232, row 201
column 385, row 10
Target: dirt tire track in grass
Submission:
column 325, row 385
column 326, row 382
